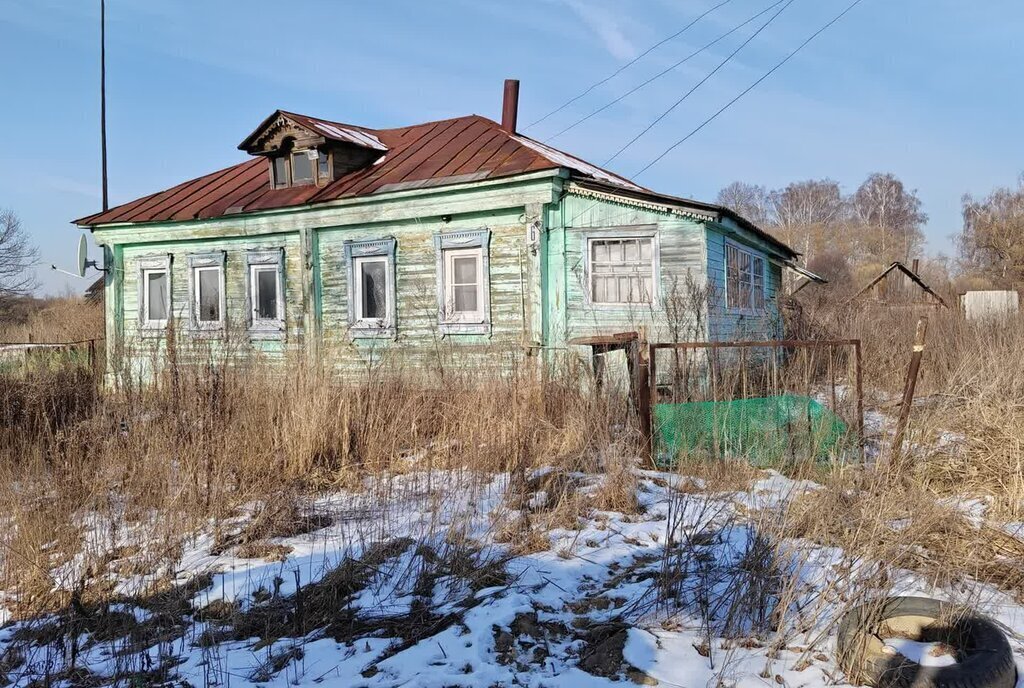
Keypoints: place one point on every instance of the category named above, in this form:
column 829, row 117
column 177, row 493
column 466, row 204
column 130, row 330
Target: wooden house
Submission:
column 461, row 232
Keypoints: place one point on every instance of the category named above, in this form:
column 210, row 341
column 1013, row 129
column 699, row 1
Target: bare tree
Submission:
column 17, row 256
column 991, row 244
column 891, row 215
column 807, row 213
column 749, row 200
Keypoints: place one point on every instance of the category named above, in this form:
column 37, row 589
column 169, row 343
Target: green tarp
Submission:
column 766, row 431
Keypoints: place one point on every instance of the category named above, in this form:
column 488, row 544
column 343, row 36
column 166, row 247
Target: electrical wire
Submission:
column 700, row 83
column 725, row 107
column 665, row 71
column 752, row 86
column 629, row 64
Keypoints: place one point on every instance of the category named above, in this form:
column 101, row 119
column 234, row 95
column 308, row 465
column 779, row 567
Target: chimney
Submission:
column 510, row 106
column 915, row 265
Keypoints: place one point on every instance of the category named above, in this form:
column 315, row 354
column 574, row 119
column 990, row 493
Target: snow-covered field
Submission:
column 415, row 581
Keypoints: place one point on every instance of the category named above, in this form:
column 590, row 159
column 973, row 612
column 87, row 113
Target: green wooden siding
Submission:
column 681, row 244
column 725, row 324
column 235, row 276
column 418, row 338
column 538, row 293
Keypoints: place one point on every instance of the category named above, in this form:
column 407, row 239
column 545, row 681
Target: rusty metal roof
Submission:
column 449, row 151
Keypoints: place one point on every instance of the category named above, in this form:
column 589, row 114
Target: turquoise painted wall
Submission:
column 726, row 323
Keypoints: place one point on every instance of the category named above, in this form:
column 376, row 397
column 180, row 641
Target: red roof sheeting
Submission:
column 436, row 153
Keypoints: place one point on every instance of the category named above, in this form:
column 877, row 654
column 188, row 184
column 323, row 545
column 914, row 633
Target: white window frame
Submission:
column 260, row 260
column 450, row 314
column 356, row 254
column 147, row 265
column 757, row 281
column 451, row 245
column 204, row 261
column 361, row 320
column 623, row 234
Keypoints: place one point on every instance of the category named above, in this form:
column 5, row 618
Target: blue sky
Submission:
column 926, row 89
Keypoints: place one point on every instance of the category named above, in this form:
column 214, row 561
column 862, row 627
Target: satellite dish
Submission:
column 83, row 254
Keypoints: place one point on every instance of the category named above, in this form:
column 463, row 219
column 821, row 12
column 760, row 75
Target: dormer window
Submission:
column 300, row 167
column 303, row 151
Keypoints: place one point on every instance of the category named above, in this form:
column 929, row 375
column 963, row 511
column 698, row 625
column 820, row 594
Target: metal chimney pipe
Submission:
column 510, row 106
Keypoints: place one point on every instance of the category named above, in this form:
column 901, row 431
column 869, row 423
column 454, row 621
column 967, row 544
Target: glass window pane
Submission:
column 632, row 250
column 645, row 249
column 600, row 249
column 209, row 294
column 465, row 299
column 373, row 289
column 266, row 293
column 464, row 269
column 156, row 306
column 302, row 168
column 281, row 171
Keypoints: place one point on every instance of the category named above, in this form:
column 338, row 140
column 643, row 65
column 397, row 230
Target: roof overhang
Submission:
column 321, row 130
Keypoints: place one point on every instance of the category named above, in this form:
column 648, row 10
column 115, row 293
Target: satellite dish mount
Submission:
column 83, row 261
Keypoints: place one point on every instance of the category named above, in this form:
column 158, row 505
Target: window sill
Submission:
column 631, row 307
column 153, row 331
column 268, row 333
column 465, row 328
column 207, row 332
column 356, row 332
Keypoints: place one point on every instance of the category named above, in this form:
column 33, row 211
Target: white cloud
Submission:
column 607, row 25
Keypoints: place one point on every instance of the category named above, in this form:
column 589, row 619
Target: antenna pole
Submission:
column 103, row 100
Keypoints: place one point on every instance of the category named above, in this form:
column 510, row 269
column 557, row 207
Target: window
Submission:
column 156, row 296
column 463, row 289
column 371, row 287
column 300, row 167
column 371, row 292
column 265, row 293
column 206, row 289
column 154, row 292
column 621, row 270
column 463, row 297
column 744, row 275
column 281, row 177
column 208, row 295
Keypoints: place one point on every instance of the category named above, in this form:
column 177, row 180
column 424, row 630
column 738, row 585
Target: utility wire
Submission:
column 628, row 64
column 664, row 72
column 751, row 87
column 700, row 83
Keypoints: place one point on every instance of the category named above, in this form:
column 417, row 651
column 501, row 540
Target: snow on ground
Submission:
column 683, row 593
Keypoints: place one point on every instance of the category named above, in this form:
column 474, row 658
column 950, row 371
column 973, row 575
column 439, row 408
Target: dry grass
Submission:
column 117, row 482
column 66, row 319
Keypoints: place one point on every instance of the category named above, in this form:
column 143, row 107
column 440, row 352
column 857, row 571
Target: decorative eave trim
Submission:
column 577, row 190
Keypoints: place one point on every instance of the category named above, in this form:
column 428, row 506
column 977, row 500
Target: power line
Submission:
column 664, row 72
column 751, row 87
column 628, row 64
column 701, row 82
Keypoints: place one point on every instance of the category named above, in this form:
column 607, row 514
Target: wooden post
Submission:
column 909, row 386
column 858, row 376
column 642, row 395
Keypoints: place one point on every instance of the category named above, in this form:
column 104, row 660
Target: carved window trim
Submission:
column 265, row 328
column 197, row 261
column 373, row 248
column 154, row 263
column 479, row 239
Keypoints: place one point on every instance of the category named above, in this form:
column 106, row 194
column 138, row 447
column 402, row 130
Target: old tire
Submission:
column 984, row 658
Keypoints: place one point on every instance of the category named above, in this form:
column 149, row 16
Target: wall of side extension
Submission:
column 678, row 310
column 731, row 324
